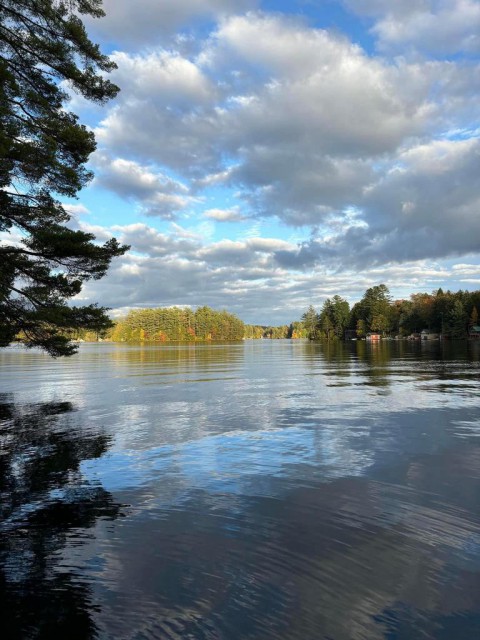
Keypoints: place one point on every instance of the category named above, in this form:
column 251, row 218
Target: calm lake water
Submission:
column 261, row 490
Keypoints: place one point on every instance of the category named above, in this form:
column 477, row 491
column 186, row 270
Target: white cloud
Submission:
column 434, row 26
column 267, row 245
column 438, row 181
column 321, row 92
column 101, row 234
column 147, row 22
column 225, row 215
column 155, row 193
column 202, row 231
column 75, row 210
column 13, row 238
column 301, row 146
column 147, row 241
column 466, row 269
column 167, row 78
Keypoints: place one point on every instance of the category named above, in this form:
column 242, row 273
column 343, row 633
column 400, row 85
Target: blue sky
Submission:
column 263, row 156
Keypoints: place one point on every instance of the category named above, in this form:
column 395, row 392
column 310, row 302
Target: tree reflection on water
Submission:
column 43, row 500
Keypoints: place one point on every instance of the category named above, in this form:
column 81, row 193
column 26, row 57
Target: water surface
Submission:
column 258, row 490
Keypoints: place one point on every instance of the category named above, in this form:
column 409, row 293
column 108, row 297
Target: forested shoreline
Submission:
column 452, row 315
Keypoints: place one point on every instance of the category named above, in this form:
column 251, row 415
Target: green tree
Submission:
column 338, row 311
column 254, row 332
column 326, row 325
column 360, row 328
column 203, row 323
column 473, row 317
column 297, row 330
column 379, row 323
column 43, row 151
column 375, row 303
column 281, row 332
column 398, row 314
column 310, row 321
column 456, row 320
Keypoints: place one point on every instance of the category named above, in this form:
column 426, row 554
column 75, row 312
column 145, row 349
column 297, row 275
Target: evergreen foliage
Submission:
column 334, row 317
column 311, row 323
column 456, row 320
column 43, row 151
column 473, row 317
column 442, row 312
column 374, row 310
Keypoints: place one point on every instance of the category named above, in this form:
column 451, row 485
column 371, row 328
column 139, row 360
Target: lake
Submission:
column 257, row 490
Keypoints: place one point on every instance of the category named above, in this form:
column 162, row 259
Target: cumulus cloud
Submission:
column 150, row 21
column 322, row 92
column 182, row 244
column 299, row 145
column 429, row 26
column 155, row 193
column 225, row 215
column 426, row 206
column 167, row 78
column 147, row 241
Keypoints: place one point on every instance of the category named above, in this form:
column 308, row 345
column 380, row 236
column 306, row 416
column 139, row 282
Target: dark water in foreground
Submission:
column 265, row 490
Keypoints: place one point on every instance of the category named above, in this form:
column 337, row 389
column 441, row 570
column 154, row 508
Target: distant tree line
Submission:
column 451, row 314
column 177, row 324
column 293, row 330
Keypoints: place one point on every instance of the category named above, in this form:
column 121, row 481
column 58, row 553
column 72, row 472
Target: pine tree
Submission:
column 310, row 321
column 456, row 320
column 473, row 317
column 43, row 152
